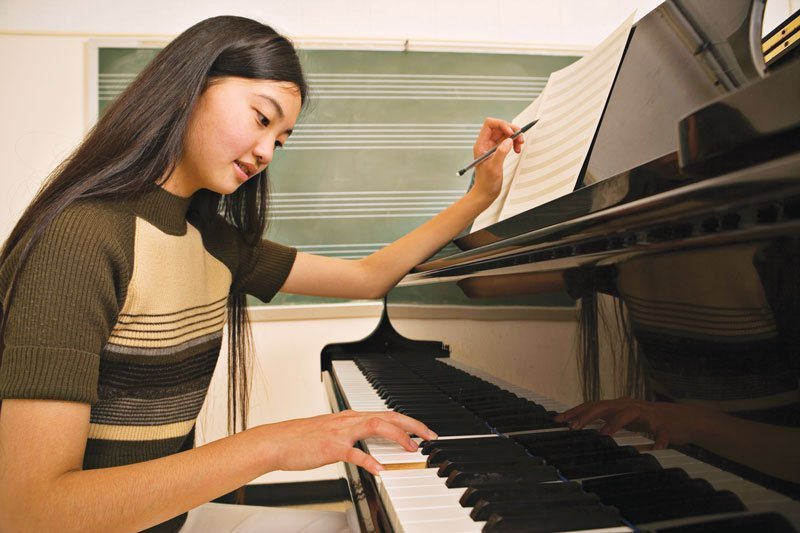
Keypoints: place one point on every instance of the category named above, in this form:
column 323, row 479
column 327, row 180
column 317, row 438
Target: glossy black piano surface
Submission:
column 673, row 273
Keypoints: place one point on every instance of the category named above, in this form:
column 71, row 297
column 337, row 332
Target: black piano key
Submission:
column 450, row 430
column 437, row 457
column 659, row 493
column 635, row 481
column 546, row 523
column 762, row 522
column 430, row 402
column 524, row 418
column 501, row 479
column 581, row 458
column 502, row 410
column 568, row 489
column 547, row 438
column 577, row 446
column 483, row 510
column 641, row 463
column 719, row 502
column 530, row 426
column 496, row 465
column 437, row 412
column 503, row 397
column 488, row 451
column 426, row 447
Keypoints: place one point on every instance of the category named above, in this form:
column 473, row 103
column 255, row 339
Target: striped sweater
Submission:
column 122, row 305
column 714, row 330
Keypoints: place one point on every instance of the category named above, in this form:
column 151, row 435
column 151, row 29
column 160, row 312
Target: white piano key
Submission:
column 452, row 525
column 410, row 516
column 389, row 475
column 428, row 490
column 444, row 499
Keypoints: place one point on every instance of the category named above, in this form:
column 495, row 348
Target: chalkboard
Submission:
column 375, row 153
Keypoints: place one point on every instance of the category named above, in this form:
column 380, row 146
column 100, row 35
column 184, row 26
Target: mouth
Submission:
column 245, row 170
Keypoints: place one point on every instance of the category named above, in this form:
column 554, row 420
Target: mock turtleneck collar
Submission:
column 163, row 209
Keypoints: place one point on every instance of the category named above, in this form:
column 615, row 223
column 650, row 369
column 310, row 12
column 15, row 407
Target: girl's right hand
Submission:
column 668, row 422
column 308, row 443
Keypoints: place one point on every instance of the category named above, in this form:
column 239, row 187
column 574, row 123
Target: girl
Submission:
column 117, row 280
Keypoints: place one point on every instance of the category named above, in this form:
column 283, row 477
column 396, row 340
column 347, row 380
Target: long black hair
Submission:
column 138, row 142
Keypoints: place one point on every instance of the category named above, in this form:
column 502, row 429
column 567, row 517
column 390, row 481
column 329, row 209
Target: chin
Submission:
column 224, row 188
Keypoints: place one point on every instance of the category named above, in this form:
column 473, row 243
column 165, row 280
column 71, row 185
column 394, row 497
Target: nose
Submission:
column 264, row 150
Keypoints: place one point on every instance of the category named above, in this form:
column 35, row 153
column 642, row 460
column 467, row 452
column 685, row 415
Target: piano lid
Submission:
column 682, row 55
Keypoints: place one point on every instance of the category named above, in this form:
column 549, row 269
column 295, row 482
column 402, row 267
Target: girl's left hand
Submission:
column 489, row 174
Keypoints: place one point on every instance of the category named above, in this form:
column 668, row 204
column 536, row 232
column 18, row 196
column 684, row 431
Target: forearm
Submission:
column 387, row 266
column 141, row 495
column 767, row 448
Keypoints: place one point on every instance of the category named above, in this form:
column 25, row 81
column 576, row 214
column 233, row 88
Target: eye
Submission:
column 264, row 121
column 278, row 144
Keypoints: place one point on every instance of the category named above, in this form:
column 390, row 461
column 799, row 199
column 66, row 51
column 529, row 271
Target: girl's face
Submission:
column 234, row 130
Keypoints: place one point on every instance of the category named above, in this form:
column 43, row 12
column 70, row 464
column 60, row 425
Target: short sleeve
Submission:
column 66, row 300
column 264, row 269
column 259, row 270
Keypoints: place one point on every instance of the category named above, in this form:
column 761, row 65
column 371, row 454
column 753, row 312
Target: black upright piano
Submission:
column 671, row 273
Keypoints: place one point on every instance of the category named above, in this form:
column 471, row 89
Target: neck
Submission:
column 175, row 184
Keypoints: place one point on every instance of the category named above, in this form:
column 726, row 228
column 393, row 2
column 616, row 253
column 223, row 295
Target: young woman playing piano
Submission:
column 118, row 278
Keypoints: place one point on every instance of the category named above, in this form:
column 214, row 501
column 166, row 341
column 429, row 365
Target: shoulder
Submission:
column 93, row 222
column 91, row 233
column 95, row 216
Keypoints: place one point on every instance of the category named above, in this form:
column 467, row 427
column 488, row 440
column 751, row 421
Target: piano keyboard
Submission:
column 486, row 472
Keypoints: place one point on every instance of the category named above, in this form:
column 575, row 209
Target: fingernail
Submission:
column 414, row 445
column 432, row 435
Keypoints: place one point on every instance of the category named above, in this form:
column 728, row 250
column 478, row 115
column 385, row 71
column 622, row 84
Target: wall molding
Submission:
column 314, row 42
column 373, row 309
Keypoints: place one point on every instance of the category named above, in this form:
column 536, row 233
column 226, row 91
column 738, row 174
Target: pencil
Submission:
column 519, row 132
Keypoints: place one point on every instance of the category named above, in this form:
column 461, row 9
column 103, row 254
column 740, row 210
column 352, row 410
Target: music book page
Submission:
column 492, row 213
column 569, row 111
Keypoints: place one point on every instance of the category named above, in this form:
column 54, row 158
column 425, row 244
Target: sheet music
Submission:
column 569, row 109
column 492, row 213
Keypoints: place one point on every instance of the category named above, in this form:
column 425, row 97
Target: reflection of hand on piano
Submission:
column 768, row 448
column 309, row 443
column 668, row 422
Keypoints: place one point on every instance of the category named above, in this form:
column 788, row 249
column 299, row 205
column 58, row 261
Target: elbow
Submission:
column 374, row 292
column 377, row 295
column 375, row 282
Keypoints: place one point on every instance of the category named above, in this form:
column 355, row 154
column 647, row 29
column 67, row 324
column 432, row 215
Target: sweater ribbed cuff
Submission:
column 33, row 372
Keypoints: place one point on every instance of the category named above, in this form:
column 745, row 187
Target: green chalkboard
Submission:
column 374, row 155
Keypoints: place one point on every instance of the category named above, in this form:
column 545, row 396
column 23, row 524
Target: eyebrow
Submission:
column 277, row 106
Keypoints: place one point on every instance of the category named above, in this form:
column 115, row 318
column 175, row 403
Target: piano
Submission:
column 688, row 205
